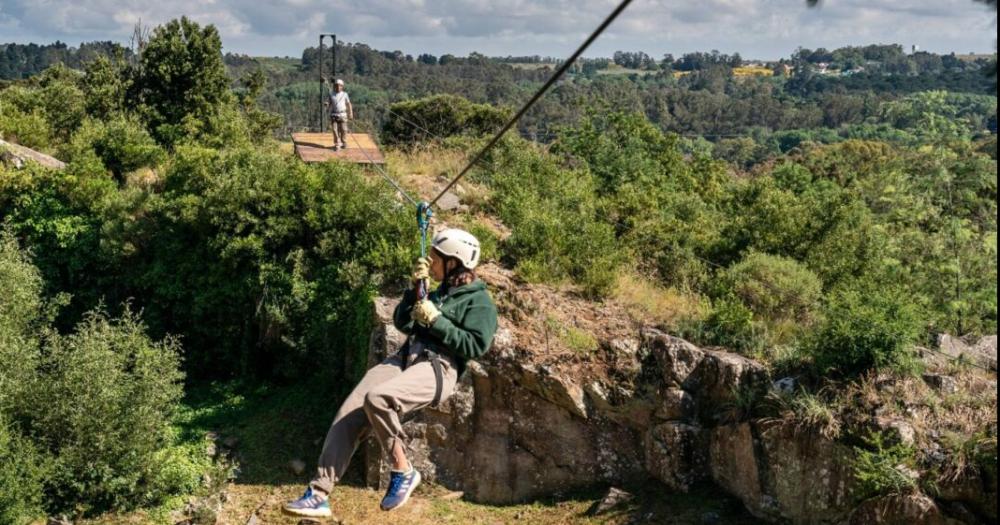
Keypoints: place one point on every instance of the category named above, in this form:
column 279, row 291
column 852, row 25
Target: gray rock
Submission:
column 896, row 430
column 675, row 454
column 675, row 404
column 58, row 520
column 942, row 383
column 613, row 498
column 782, row 474
column 18, row 156
column 677, row 358
column 983, row 352
column 449, row 202
column 785, row 385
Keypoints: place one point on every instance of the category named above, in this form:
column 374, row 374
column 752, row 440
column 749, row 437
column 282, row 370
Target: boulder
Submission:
column 620, row 405
column 675, row 454
column 908, row 509
column 675, row 404
column 18, row 156
column 613, row 498
column 782, row 474
column 714, row 378
column 942, row 383
column 982, row 352
column 677, row 358
column 896, row 430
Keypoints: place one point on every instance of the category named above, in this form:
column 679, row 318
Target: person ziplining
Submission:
column 446, row 328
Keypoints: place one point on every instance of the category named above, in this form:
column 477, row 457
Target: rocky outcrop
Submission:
column 660, row 407
column 17, row 156
column 982, row 352
column 782, row 473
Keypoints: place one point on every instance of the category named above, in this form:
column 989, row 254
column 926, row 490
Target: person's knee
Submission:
column 376, row 402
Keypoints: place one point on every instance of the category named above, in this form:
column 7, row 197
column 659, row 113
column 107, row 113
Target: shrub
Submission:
column 881, row 468
column 440, row 116
column 110, row 394
column 537, row 200
column 20, row 309
column 28, row 129
column 865, row 327
column 731, row 324
column 21, row 476
column 776, row 289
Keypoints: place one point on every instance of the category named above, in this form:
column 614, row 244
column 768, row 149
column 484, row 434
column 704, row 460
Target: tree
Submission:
column 183, row 80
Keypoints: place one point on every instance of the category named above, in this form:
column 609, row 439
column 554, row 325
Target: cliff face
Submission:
column 645, row 404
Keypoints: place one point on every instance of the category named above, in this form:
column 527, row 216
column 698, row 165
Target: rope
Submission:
column 541, row 91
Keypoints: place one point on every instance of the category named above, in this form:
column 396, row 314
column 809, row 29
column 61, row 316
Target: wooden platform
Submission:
column 318, row 147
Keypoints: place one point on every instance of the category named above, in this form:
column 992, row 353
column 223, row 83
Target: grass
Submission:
column 645, row 299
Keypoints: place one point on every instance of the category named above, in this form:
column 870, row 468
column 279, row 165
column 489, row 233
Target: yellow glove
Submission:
column 421, row 269
column 424, row 312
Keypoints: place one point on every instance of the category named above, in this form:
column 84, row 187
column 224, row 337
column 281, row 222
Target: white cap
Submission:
column 339, row 82
column 459, row 244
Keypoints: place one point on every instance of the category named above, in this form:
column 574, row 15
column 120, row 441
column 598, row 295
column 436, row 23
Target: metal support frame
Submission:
column 323, row 90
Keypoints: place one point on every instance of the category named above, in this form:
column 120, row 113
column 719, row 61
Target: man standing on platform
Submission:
column 341, row 111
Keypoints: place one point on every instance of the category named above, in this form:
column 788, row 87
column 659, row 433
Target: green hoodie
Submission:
column 465, row 328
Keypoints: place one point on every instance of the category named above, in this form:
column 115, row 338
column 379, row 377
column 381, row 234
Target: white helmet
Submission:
column 339, row 82
column 459, row 244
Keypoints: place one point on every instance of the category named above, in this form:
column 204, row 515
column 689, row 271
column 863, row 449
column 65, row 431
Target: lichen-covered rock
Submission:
column 732, row 460
column 675, row 404
column 713, row 377
column 910, row 509
column 677, row 358
column 782, row 474
column 982, row 352
column 675, row 454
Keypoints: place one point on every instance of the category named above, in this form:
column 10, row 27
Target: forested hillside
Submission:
column 823, row 224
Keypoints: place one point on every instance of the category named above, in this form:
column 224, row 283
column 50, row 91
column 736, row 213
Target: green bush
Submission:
column 539, row 201
column 776, row 289
column 439, row 116
column 28, row 129
column 21, row 475
column 121, row 144
column 731, row 324
column 880, row 467
column 109, row 395
column 865, row 327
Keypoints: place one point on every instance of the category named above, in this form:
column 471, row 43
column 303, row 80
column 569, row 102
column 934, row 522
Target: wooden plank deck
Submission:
column 318, row 147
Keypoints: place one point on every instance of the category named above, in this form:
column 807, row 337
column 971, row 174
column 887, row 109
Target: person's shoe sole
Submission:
column 413, row 486
column 308, row 513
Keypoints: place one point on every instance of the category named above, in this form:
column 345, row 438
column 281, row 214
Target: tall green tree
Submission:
column 182, row 79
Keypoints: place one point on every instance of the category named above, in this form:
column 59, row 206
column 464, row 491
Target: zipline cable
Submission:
column 382, row 172
column 541, row 91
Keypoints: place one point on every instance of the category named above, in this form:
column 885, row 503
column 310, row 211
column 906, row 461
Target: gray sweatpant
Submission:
column 385, row 395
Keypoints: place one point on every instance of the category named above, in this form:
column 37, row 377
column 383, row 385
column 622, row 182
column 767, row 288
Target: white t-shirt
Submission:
column 338, row 102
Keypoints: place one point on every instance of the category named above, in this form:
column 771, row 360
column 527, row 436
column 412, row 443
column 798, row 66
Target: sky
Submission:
column 764, row 29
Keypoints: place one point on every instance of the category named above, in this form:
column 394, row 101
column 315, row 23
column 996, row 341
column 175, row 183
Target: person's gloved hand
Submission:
column 424, row 312
column 421, row 269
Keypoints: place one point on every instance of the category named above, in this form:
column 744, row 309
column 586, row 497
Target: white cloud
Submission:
column 753, row 27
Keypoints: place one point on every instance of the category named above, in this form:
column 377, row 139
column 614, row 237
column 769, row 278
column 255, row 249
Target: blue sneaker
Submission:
column 401, row 485
column 310, row 505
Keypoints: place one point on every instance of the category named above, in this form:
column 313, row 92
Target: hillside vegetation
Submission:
column 180, row 249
